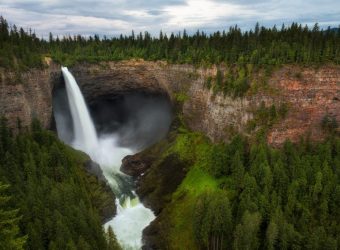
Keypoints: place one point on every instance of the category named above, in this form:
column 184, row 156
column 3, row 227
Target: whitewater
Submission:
column 132, row 217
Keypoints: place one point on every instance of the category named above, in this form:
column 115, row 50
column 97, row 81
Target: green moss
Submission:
column 197, row 182
column 181, row 97
column 195, row 149
column 208, row 82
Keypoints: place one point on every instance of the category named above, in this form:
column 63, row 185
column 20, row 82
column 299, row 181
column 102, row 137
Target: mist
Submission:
column 148, row 118
column 108, row 129
column 130, row 122
column 62, row 114
column 134, row 120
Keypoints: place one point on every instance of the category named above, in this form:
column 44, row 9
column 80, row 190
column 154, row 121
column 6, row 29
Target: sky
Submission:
column 114, row 17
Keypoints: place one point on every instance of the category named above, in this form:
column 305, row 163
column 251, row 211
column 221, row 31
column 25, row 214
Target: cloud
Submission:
column 197, row 13
column 61, row 24
column 109, row 17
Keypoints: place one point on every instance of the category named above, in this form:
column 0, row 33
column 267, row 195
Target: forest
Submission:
column 261, row 46
column 248, row 195
column 47, row 200
column 243, row 194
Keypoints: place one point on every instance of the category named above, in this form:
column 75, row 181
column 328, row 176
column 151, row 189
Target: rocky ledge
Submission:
column 135, row 165
column 156, row 181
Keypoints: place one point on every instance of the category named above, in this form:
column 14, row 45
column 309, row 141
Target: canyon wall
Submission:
column 310, row 93
column 27, row 95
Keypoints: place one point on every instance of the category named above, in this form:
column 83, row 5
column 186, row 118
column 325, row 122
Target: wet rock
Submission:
column 156, row 186
column 155, row 189
column 106, row 201
column 94, row 169
column 135, row 165
column 154, row 235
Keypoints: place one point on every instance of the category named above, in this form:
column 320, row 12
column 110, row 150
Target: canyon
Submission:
column 310, row 94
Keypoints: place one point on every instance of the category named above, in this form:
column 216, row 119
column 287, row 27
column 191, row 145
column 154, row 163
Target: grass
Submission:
column 193, row 148
column 197, row 181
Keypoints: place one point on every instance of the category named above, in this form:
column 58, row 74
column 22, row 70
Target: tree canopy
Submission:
column 50, row 201
column 21, row 49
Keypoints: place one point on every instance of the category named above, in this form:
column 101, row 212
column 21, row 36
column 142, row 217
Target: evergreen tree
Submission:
column 246, row 233
column 10, row 238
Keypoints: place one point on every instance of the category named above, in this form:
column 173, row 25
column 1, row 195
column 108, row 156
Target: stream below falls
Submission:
column 108, row 147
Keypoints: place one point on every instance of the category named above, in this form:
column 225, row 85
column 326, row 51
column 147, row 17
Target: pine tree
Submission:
column 9, row 223
column 112, row 243
column 237, row 170
column 246, row 233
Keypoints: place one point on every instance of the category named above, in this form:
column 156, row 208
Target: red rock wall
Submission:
column 311, row 96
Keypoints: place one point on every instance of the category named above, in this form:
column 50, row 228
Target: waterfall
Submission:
column 132, row 217
column 84, row 131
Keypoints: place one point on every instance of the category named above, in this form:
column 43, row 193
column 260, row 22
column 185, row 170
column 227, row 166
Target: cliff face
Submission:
column 114, row 79
column 26, row 96
column 310, row 94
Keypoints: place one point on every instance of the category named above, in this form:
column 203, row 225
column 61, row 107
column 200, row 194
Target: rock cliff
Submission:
column 310, row 94
column 27, row 95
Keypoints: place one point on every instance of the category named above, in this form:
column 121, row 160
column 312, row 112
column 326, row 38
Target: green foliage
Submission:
column 266, row 116
column 181, row 97
column 9, row 223
column 262, row 46
column 246, row 233
column 242, row 195
column 208, row 82
column 112, row 243
column 213, row 220
column 329, row 124
column 19, row 50
column 59, row 202
column 233, row 82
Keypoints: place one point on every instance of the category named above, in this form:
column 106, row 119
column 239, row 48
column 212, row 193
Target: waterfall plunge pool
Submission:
column 109, row 129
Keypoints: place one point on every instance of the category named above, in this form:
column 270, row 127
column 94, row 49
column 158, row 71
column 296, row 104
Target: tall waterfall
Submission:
column 84, row 131
column 132, row 217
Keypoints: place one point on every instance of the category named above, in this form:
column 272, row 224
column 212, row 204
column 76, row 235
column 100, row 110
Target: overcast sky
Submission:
column 113, row 17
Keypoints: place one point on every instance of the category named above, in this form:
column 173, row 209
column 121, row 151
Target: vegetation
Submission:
column 9, row 223
column 261, row 46
column 266, row 116
column 244, row 195
column 233, row 82
column 19, row 50
column 244, row 53
column 55, row 204
column 181, row 97
column 238, row 79
column 329, row 124
column 237, row 195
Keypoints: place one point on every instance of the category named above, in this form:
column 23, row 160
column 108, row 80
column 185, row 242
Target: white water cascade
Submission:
column 85, row 133
column 132, row 217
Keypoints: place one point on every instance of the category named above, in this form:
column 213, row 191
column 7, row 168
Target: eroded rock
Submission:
column 310, row 93
column 135, row 165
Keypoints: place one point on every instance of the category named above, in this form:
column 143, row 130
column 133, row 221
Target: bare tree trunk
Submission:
column 213, row 242
column 222, row 242
column 217, row 241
